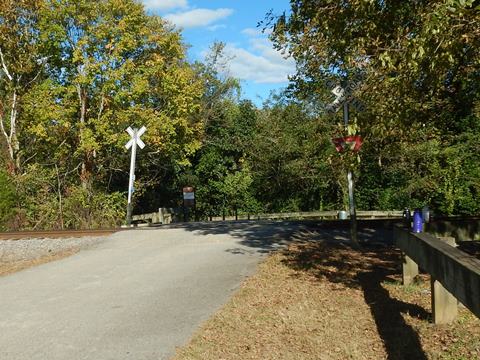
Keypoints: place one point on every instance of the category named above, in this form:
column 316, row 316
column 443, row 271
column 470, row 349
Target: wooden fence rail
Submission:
column 167, row 215
column 162, row 216
column 455, row 274
column 312, row 215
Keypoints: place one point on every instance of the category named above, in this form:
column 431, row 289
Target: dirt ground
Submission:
column 19, row 254
column 324, row 300
column 9, row 267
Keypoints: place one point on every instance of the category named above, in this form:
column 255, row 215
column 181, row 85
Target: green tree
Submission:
column 22, row 63
column 220, row 170
column 291, row 158
column 7, row 199
column 222, row 167
column 94, row 68
column 418, row 65
column 124, row 67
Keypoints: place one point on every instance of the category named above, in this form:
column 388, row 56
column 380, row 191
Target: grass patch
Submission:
column 320, row 300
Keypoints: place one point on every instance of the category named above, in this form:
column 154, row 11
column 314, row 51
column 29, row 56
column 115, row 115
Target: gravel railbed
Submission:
column 31, row 249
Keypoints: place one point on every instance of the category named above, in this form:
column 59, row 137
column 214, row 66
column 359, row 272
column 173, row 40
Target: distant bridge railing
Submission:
column 162, row 216
column 169, row 215
column 322, row 215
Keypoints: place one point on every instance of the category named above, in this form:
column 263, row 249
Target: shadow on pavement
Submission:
column 323, row 246
column 265, row 236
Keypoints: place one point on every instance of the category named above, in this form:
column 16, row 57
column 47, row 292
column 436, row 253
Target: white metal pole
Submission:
column 133, row 143
column 132, row 169
column 131, row 179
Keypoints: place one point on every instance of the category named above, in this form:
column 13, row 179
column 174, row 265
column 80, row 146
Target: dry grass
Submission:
column 327, row 301
column 15, row 266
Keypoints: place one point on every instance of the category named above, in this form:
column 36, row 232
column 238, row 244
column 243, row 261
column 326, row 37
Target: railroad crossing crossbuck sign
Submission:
column 135, row 134
column 344, row 98
column 133, row 143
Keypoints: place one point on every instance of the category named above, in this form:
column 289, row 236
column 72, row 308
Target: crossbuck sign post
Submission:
column 344, row 97
column 133, row 143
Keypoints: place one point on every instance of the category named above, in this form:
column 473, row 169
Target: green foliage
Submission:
column 75, row 74
column 88, row 70
column 292, row 159
column 83, row 210
column 44, row 201
column 418, row 65
column 222, row 171
column 36, row 202
column 21, row 66
column 123, row 67
column 443, row 175
column 7, row 200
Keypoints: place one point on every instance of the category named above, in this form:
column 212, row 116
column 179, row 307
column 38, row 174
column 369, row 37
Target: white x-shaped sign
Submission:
column 341, row 97
column 135, row 134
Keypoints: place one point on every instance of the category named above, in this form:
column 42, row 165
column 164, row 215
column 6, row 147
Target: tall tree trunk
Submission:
column 60, row 198
column 87, row 163
column 11, row 139
column 13, row 135
column 18, row 84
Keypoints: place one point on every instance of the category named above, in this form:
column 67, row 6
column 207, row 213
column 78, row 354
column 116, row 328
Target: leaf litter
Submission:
column 326, row 300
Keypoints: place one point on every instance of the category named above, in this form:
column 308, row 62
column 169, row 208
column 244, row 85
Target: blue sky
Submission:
column 254, row 61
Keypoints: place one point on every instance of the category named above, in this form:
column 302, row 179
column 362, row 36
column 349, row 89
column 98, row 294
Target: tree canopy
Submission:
column 419, row 64
column 75, row 74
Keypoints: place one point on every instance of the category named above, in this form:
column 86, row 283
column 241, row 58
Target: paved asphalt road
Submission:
column 136, row 296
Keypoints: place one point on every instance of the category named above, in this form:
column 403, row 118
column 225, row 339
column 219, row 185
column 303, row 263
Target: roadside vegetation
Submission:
column 75, row 74
column 324, row 300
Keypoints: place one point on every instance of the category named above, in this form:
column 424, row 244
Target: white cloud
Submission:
column 216, row 27
column 255, row 32
column 264, row 66
column 198, row 17
column 259, row 62
column 251, row 32
column 165, row 4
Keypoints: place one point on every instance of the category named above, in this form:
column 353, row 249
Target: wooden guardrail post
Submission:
column 409, row 267
column 409, row 270
column 444, row 304
column 455, row 274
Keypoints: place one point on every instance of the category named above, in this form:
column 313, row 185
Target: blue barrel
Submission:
column 417, row 226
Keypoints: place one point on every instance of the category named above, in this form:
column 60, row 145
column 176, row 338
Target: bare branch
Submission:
column 102, row 105
column 35, row 78
column 42, row 62
column 2, row 127
column 13, row 115
column 30, row 158
column 5, row 66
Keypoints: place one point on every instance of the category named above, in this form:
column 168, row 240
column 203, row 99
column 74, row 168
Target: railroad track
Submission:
column 54, row 234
